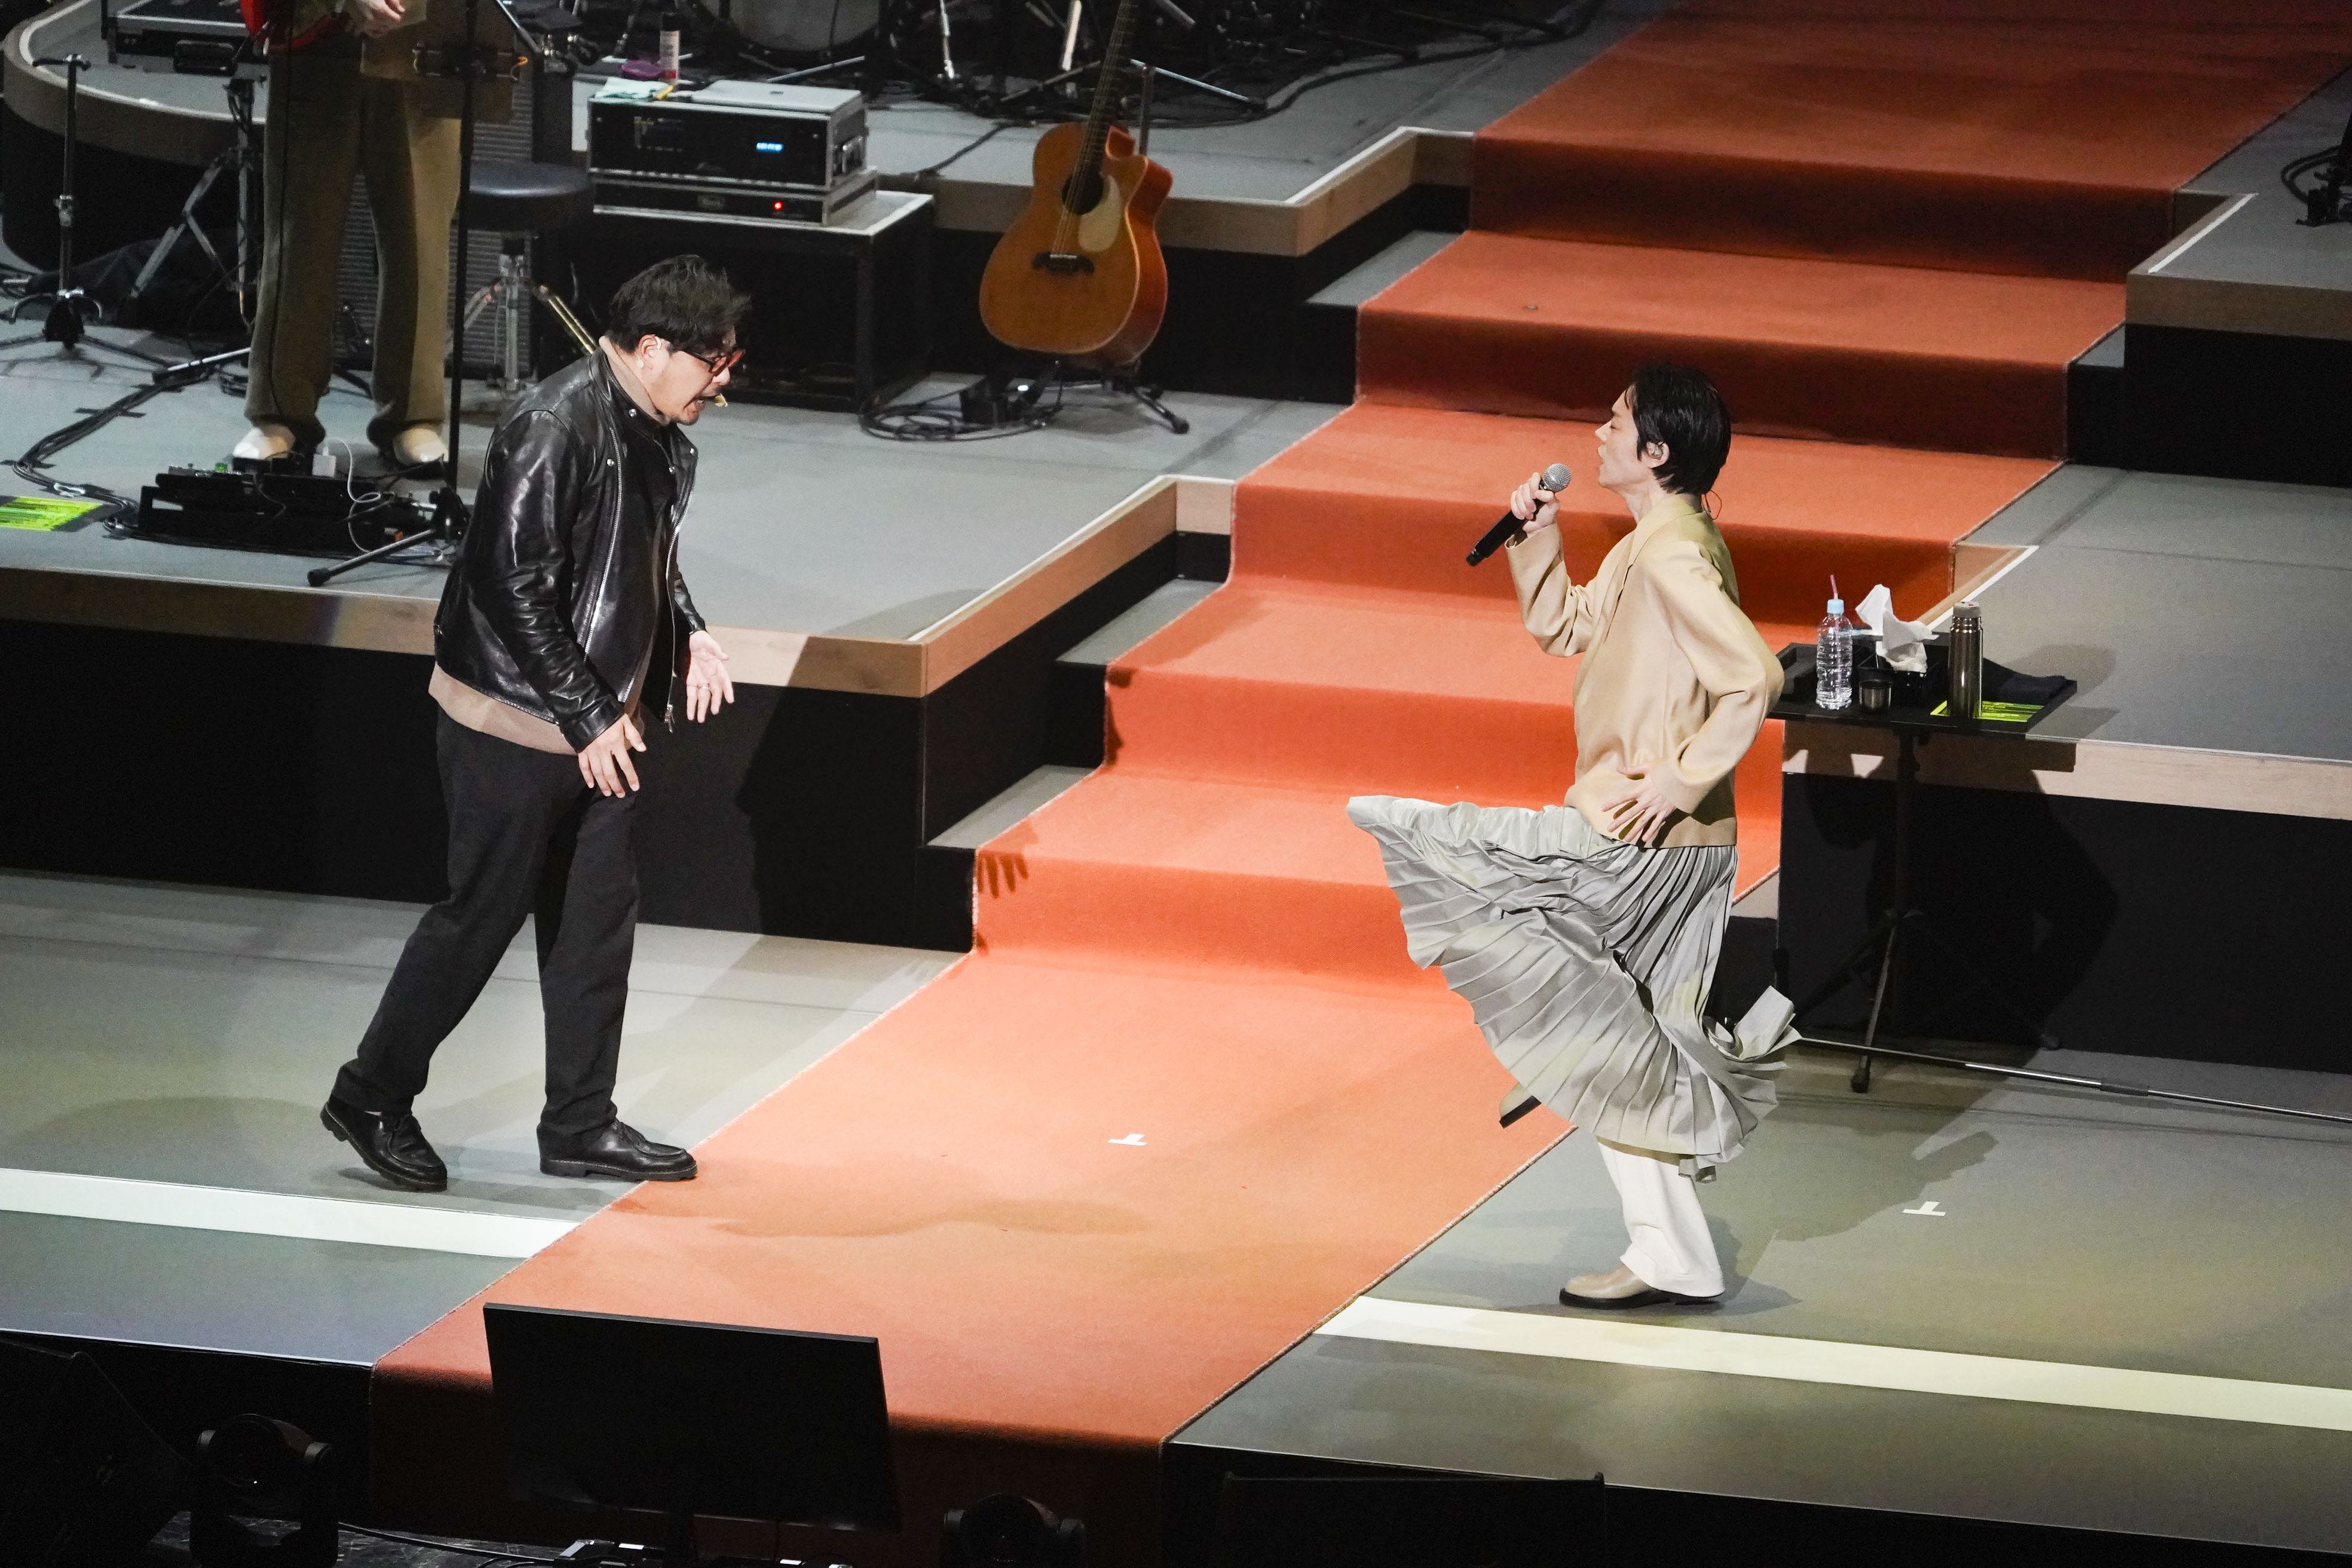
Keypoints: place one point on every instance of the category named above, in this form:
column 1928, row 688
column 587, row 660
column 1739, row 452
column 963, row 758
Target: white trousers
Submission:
column 1673, row 1249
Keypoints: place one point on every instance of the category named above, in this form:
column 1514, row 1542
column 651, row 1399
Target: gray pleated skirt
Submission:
column 1586, row 963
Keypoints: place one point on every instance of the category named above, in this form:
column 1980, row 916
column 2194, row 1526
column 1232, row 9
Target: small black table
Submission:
column 1912, row 723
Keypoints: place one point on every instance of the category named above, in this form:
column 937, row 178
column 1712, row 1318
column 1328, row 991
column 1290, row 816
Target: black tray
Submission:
column 1915, row 696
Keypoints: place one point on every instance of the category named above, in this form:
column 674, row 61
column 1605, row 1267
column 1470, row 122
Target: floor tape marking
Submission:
column 293, row 1216
column 1658, row 1345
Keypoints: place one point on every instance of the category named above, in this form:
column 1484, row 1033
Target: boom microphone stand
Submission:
column 470, row 62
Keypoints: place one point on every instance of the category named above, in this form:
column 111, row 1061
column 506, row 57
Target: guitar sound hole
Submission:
column 1082, row 193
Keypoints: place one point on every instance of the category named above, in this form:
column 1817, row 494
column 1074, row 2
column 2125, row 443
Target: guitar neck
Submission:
column 1098, row 118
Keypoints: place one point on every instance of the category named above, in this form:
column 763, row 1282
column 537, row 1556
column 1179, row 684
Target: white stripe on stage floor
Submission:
column 289, row 1215
column 1623, row 1342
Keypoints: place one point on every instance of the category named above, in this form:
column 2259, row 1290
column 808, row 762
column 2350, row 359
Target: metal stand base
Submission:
column 1902, row 924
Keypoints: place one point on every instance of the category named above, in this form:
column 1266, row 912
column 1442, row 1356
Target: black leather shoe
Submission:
column 392, row 1145
column 615, row 1149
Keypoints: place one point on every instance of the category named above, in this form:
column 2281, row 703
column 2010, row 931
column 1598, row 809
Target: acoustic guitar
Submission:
column 1079, row 275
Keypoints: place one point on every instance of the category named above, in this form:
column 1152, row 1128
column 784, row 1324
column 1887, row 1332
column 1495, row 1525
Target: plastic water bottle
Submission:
column 1833, row 658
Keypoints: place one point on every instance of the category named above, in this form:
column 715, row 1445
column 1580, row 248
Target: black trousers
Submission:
column 527, row 837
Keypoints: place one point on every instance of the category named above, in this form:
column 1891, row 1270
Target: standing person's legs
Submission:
column 1672, row 1250
column 587, row 932
column 587, row 927
column 410, row 158
column 503, row 800
column 309, row 149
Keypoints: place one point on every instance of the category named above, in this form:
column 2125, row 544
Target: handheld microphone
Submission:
column 1555, row 479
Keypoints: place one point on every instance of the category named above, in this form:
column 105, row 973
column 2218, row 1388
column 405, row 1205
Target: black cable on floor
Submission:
column 32, row 467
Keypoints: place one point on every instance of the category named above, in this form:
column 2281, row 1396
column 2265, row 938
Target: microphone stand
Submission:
column 70, row 308
column 470, row 62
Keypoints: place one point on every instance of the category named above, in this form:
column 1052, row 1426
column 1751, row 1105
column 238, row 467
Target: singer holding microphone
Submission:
column 1584, row 936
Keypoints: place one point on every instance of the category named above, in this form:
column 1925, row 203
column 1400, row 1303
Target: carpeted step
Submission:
column 1388, row 497
column 1181, row 874
column 1353, row 691
column 1423, row 695
column 2049, row 141
column 1849, row 351
column 1237, row 878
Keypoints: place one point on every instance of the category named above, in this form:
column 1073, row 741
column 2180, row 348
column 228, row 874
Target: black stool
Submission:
column 518, row 202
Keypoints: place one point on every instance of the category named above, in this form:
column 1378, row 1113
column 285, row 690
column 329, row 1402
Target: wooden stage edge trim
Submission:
column 2091, row 770
column 1406, row 156
column 2156, row 297
column 389, row 623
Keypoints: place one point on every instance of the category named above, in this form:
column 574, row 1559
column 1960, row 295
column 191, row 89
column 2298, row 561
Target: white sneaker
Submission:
column 416, row 446
column 264, row 442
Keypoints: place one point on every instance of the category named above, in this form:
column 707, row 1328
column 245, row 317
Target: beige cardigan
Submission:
column 1675, row 678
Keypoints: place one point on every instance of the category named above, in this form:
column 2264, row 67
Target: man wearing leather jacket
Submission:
column 565, row 628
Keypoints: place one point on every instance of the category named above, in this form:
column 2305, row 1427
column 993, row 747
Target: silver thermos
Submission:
column 1967, row 660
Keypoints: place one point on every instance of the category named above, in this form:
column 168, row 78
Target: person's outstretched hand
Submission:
column 707, row 684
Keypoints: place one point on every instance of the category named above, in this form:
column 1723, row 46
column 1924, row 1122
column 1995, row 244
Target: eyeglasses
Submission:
column 717, row 367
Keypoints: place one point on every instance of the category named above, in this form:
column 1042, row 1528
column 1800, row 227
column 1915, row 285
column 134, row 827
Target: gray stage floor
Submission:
column 2003, row 1225
column 163, row 1052
column 801, row 522
column 2207, row 614
column 2264, row 243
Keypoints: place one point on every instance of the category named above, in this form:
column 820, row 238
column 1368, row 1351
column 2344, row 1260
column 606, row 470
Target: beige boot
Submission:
column 1619, row 1289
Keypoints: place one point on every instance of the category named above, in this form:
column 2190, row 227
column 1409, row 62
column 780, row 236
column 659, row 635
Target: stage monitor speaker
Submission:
column 84, row 1483
column 1408, row 1522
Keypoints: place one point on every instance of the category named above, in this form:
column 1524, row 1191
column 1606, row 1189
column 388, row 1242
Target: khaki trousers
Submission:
column 328, row 122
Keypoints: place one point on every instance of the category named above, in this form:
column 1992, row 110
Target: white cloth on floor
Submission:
column 1673, row 1249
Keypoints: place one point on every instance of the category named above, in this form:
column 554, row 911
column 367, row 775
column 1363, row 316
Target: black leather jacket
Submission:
column 551, row 605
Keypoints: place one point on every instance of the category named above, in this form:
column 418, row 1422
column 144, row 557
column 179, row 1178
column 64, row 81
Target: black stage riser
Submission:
column 290, row 768
column 1238, row 323
column 1663, row 1526
column 2117, row 926
column 2238, row 405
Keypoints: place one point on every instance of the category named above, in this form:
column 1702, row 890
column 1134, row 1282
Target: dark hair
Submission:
column 1680, row 409
column 685, row 302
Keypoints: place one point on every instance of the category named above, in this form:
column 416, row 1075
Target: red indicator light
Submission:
column 780, row 206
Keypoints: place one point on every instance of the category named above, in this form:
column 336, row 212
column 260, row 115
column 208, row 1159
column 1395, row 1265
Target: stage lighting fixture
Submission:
column 252, row 1465
column 1008, row 1531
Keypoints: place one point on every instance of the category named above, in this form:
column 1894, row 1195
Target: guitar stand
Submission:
column 1123, row 382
